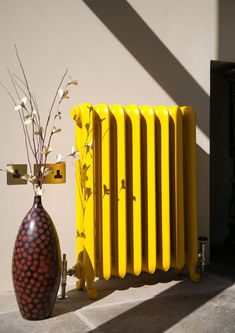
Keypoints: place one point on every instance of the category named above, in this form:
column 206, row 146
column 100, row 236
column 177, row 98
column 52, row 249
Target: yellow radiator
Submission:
column 136, row 190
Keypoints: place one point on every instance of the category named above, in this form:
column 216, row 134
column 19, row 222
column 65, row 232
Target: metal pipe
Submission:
column 64, row 273
column 202, row 253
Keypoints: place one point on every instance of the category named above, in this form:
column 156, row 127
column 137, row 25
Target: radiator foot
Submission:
column 194, row 276
column 85, row 274
column 80, row 284
column 92, row 294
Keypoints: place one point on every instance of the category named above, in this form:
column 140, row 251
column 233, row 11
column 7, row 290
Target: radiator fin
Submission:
column 103, row 137
column 163, row 188
column 118, row 191
column 148, row 158
column 176, row 188
column 133, row 189
column 190, row 197
column 85, row 215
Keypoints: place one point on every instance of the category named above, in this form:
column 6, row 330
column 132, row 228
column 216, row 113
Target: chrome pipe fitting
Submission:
column 202, row 253
column 64, row 273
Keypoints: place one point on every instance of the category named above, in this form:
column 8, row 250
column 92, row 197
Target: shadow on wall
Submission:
column 136, row 36
column 203, row 161
column 130, row 29
column 226, row 30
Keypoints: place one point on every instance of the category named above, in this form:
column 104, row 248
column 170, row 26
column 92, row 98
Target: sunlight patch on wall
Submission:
column 203, row 140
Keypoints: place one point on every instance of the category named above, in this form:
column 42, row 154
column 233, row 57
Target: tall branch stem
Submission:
column 26, row 143
column 52, row 105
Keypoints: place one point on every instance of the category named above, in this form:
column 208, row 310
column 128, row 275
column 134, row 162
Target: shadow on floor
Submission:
column 78, row 299
column 157, row 314
column 168, row 308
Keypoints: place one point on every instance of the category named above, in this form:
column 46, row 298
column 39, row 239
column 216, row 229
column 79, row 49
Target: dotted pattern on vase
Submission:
column 36, row 264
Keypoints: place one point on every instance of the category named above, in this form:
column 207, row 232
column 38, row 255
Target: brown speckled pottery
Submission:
column 36, row 264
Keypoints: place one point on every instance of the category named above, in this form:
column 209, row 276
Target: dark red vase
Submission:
column 36, row 264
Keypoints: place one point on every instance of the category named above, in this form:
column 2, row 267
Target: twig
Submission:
column 13, row 83
column 25, row 137
column 26, row 143
column 31, row 105
column 8, row 93
column 53, row 103
column 25, row 78
column 35, row 145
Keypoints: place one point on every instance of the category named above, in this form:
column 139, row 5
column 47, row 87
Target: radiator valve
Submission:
column 64, row 273
column 202, row 253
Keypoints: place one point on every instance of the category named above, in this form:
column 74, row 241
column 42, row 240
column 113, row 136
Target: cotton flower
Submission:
column 37, row 190
column 10, row 168
column 47, row 150
column 58, row 114
column 63, row 93
column 39, row 132
column 58, row 158
column 74, row 82
column 56, row 130
column 29, row 177
column 90, row 145
column 45, row 170
column 21, row 104
column 27, row 120
column 75, row 154
column 29, row 117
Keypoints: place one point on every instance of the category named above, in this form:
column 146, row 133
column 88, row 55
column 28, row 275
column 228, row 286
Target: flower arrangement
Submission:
column 37, row 137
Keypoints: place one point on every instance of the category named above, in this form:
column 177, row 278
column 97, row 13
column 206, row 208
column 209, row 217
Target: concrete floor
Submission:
column 163, row 302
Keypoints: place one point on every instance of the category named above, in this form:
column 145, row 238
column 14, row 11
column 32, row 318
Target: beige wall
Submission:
column 53, row 35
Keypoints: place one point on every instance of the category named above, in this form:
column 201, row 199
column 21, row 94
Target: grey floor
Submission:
column 163, row 302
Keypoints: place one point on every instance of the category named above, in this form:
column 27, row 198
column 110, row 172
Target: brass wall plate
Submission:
column 58, row 174
column 14, row 179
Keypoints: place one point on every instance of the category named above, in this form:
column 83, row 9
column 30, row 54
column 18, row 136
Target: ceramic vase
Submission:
column 36, row 264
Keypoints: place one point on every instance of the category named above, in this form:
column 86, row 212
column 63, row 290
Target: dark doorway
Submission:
column 222, row 161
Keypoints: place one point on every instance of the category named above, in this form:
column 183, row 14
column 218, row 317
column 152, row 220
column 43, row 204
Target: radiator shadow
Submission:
column 163, row 310
column 78, row 299
column 203, row 186
column 166, row 306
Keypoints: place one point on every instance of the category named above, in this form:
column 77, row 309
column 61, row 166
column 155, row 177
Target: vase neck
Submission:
column 37, row 200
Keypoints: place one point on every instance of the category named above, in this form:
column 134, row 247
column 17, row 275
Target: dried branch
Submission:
column 8, row 93
column 25, row 78
column 26, row 143
column 35, row 142
column 53, row 103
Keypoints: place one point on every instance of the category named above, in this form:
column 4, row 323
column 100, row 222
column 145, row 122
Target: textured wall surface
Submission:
column 142, row 52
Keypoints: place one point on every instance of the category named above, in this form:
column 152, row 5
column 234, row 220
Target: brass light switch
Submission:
column 58, row 174
column 14, row 179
